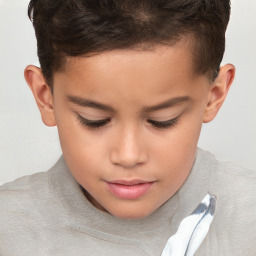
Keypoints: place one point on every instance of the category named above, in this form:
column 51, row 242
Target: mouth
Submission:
column 129, row 189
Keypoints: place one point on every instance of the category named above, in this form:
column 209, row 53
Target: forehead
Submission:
column 179, row 53
column 130, row 72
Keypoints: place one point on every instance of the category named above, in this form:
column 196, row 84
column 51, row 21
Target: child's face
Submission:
column 129, row 123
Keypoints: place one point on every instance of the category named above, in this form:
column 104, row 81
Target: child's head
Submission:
column 129, row 84
column 80, row 28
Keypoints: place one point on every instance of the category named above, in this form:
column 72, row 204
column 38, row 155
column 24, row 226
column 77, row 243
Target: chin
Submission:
column 131, row 213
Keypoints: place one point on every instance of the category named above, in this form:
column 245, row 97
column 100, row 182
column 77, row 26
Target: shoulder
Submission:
column 225, row 171
column 25, row 208
column 235, row 190
column 30, row 192
column 24, row 182
column 23, row 190
column 21, row 200
column 233, row 181
column 230, row 183
column 30, row 188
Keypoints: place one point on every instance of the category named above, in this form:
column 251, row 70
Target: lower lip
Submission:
column 129, row 191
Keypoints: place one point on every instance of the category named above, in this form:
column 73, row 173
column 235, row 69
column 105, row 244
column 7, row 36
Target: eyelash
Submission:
column 94, row 125
column 164, row 124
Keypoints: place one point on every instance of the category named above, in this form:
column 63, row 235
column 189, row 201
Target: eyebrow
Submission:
column 89, row 103
column 167, row 104
column 83, row 102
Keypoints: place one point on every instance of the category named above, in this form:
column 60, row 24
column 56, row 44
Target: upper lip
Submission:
column 129, row 182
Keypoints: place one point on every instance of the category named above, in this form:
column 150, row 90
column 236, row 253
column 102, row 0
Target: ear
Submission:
column 218, row 91
column 42, row 94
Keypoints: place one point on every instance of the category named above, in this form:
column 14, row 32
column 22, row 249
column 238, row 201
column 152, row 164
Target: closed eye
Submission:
column 93, row 124
column 96, row 124
column 164, row 124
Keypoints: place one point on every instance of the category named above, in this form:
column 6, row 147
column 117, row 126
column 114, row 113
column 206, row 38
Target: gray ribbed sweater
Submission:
column 48, row 214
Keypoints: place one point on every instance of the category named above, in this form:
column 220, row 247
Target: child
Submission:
column 129, row 84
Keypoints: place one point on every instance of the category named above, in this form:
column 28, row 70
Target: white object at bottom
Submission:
column 192, row 230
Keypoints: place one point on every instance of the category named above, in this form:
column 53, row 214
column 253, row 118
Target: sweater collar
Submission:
column 79, row 212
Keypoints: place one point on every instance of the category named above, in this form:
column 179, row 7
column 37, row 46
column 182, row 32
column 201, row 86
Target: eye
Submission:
column 93, row 124
column 164, row 124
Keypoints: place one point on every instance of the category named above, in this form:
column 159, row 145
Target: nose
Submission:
column 128, row 149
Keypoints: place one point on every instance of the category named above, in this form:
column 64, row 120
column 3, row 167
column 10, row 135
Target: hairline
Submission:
column 186, row 39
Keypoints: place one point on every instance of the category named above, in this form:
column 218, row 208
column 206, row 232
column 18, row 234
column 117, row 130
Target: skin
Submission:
column 129, row 147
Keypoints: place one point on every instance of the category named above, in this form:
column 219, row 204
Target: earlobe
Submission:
column 42, row 94
column 218, row 92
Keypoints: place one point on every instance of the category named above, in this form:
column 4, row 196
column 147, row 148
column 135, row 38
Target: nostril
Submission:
column 128, row 160
column 128, row 149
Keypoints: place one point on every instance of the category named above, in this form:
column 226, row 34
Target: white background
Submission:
column 27, row 146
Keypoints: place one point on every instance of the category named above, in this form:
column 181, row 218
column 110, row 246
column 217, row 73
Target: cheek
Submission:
column 83, row 159
column 80, row 149
column 175, row 150
column 177, row 143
